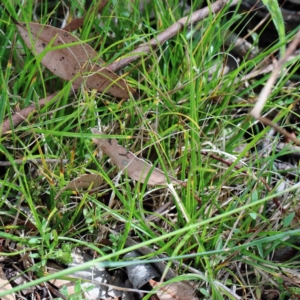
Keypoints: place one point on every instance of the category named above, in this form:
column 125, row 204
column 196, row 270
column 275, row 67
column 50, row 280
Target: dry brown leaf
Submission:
column 60, row 283
column 74, row 24
column 78, row 22
column 83, row 182
column 5, row 286
column 73, row 62
column 136, row 168
column 174, row 291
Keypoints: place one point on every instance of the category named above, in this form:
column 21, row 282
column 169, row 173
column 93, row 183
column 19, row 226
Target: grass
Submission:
column 186, row 105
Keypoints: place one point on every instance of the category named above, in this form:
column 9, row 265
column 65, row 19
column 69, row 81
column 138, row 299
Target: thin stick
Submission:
column 132, row 56
column 275, row 199
column 33, row 160
column 169, row 33
column 22, row 115
column 264, row 94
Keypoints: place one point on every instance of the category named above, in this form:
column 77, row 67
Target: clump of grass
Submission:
column 188, row 109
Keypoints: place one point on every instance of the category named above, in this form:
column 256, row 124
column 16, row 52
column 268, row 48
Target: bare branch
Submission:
column 20, row 116
column 169, row 33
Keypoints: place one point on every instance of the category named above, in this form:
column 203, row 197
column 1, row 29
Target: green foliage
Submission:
column 187, row 105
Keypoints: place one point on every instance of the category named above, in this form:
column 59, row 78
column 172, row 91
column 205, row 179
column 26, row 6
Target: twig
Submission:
column 20, row 116
column 134, row 55
column 240, row 45
column 267, row 69
column 33, row 160
column 169, row 33
column 275, row 199
column 288, row 135
column 263, row 97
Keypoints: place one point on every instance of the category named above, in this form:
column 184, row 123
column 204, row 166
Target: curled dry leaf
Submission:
column 83, row 182
column 78, row 22
column 74, row 61
column 5, row 285
column 174, row 291
column 139, row 274
column 136, row 168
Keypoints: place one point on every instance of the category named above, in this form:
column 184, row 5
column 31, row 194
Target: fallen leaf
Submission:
column 73, row 61
column 136, row 168
column 174, row 291
column 60, row 283
column 5, row 285
column 83, row 182
column 78, row 22
column 94, row 281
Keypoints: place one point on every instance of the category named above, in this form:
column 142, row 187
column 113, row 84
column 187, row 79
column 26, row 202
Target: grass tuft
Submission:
column 191, row 120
